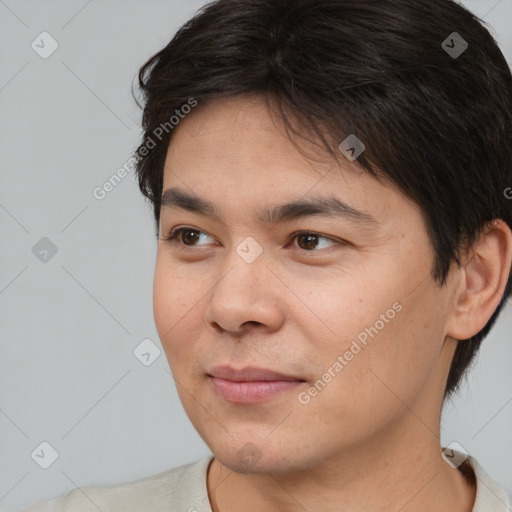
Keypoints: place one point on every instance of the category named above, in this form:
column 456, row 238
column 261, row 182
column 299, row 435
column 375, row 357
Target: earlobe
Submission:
column 483, row 277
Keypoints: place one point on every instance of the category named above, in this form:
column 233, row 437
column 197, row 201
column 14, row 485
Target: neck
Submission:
column 402, row 471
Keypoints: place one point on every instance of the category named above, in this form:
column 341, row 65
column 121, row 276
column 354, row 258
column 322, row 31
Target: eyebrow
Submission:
column 328, row 206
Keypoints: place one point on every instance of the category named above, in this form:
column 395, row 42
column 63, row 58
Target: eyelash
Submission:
column 173, row 237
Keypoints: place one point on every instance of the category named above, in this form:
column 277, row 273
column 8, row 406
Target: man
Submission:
column 329, row 182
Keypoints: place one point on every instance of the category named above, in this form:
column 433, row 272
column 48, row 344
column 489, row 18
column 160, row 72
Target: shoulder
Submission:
column 166, row 491
column 490, row 497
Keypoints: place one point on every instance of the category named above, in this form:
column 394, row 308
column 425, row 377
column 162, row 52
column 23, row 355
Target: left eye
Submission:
column 310, row 240
column 306, row 240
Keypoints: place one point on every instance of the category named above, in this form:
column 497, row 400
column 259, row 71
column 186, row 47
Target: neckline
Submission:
column 488, row 492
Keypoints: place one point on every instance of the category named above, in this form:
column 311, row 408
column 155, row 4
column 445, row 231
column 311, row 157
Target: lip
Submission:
column 250, row 384
column 250, row 373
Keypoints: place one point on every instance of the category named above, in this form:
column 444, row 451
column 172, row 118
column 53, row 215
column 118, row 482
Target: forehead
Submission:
column 232, row 128
column 234, row 150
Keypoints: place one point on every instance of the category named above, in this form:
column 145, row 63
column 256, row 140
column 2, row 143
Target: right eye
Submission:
column 184, row 236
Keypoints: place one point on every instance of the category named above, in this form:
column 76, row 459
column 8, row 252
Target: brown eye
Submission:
column 309, row 241
column 187, row 237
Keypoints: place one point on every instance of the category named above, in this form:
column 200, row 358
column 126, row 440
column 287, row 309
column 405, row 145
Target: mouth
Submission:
column 250, row 384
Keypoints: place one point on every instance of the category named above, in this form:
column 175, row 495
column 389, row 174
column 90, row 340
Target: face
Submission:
column 338, row 302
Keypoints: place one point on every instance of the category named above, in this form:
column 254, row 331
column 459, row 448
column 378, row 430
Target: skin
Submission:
column 375, row 426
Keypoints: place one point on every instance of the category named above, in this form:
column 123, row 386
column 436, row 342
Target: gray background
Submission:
column 69, row 326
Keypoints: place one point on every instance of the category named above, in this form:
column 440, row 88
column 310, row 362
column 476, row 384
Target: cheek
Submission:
column 399, row 362
column 162, row 302
column 170, row 296
column 178, row 306
column 344, row 311
column 360, row 328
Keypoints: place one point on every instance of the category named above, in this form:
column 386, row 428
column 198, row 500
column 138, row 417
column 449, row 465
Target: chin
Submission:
column 257, row 458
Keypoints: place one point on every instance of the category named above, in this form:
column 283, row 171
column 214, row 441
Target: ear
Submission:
column 486, row 267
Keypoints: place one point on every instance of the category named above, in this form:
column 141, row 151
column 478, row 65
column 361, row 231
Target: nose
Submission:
column 246, row 294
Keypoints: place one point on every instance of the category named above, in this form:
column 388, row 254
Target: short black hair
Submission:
column 421, row 83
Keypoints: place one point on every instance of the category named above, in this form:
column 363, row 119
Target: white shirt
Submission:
column 183, row 489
